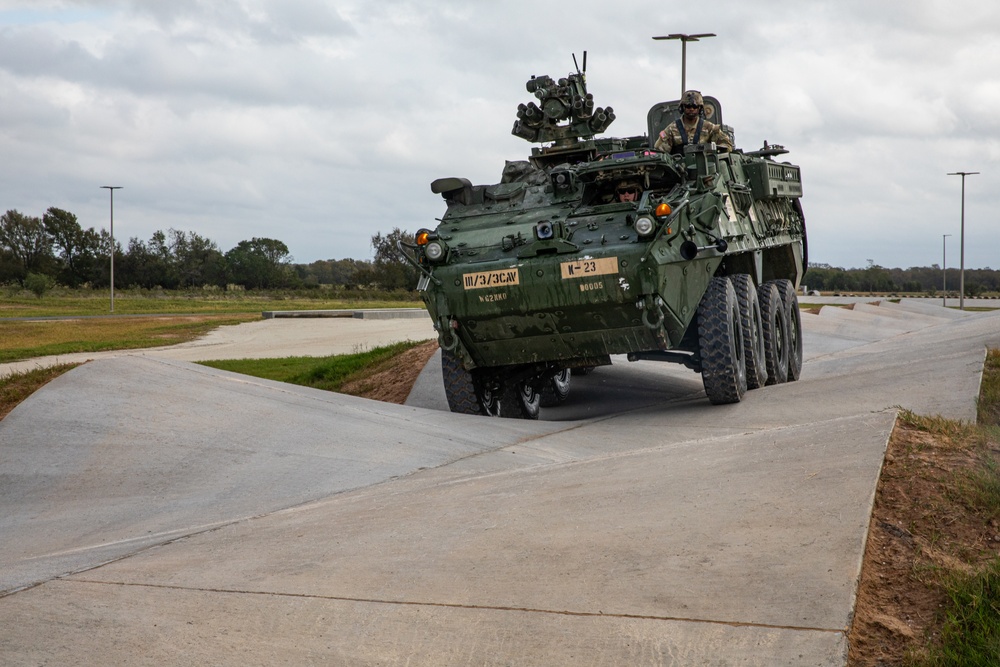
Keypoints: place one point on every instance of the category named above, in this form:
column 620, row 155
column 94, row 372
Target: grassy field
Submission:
column 180, row 317
column 26, row 340
column 64, row 302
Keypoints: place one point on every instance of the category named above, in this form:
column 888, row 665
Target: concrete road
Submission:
column 158, row 512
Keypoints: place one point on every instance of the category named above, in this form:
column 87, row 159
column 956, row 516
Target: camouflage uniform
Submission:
column 670, row 137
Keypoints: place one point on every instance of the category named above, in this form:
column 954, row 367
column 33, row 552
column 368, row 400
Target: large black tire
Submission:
column 490, row 396
column 556, row 389
column 774, row 317
column 459, row 387
column 720, row 340
column 753, row 330
column 790, row 300
column 511, row 400
column 527, row 401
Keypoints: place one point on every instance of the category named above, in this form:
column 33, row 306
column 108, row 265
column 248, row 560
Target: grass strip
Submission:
column 329, row 373
column 970, row 635
column 16, row 387
column 989, row 394
column 68, row 302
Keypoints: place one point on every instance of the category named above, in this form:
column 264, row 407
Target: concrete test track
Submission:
column 154, row 511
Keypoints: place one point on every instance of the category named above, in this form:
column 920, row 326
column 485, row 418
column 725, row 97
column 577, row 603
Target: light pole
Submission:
column 944, row 269
column 112, row 189
column 961, row 273
column 684, row 40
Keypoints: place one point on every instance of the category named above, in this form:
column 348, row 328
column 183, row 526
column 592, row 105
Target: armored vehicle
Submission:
column 596, row 247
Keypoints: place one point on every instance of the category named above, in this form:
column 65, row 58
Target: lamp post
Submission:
column 112, row 189
column 961, row 273
column 684, row 40
column 944, row 269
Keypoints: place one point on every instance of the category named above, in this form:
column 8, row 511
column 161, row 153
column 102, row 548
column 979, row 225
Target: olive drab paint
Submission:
column 549, row 270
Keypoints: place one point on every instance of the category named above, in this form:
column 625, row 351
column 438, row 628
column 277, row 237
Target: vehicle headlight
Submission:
column 644, row 226
column 434, row 251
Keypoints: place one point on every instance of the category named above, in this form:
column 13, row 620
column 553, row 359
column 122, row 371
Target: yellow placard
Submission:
column 585, row 268
column 483, row 279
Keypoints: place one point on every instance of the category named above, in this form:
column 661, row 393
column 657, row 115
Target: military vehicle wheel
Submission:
column 512, row 400
column 753, row 334
column 775, row 319
column 459, row 387
column 720, row 339
column 791, row 303
column 556, row 389
column 528, row 401
column 490, row 394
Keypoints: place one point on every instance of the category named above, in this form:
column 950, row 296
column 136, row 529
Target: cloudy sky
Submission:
column 322, row 122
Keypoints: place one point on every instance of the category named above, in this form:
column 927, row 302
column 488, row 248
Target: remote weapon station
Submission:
column 596, row 247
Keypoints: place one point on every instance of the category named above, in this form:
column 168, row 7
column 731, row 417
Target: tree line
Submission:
column 40, row 252
column 55, row 246
column 55, row 249
column 927, row 280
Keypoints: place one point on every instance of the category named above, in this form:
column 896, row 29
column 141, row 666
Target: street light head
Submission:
column 686, row 38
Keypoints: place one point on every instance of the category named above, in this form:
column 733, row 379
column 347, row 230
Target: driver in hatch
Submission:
column 626, row 191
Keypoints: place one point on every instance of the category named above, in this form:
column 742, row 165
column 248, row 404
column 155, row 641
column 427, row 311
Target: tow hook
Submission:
column 652, row 312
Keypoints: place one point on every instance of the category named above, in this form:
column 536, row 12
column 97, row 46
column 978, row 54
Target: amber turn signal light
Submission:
column 662, row 210
column 423, row 237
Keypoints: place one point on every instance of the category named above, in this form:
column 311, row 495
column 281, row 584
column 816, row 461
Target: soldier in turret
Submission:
column 691, row 127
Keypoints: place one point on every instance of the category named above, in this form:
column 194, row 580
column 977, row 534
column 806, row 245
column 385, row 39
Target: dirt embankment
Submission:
column 392, row 381
column 925, row 524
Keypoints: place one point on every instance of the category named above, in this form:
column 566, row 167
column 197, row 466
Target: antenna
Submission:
column 577, row 66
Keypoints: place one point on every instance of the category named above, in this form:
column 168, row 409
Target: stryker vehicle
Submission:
column 558, row 267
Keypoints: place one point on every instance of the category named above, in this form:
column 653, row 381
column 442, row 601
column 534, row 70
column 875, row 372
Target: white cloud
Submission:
column 321, row 123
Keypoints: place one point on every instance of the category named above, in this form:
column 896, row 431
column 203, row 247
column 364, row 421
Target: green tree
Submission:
column 39, row 283
column 10, row 268
column 197, row 260
column 876, row 279
column 25, row 239
column 142, row 267
column 77, row 250
column 260, row 263
column 389, row 270
column 331, row 271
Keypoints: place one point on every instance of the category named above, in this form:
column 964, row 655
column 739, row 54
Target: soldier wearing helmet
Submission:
column 691, row 127
column 627, row 191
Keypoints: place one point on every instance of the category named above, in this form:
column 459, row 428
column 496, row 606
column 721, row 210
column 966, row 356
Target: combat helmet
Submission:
column 692, row 97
